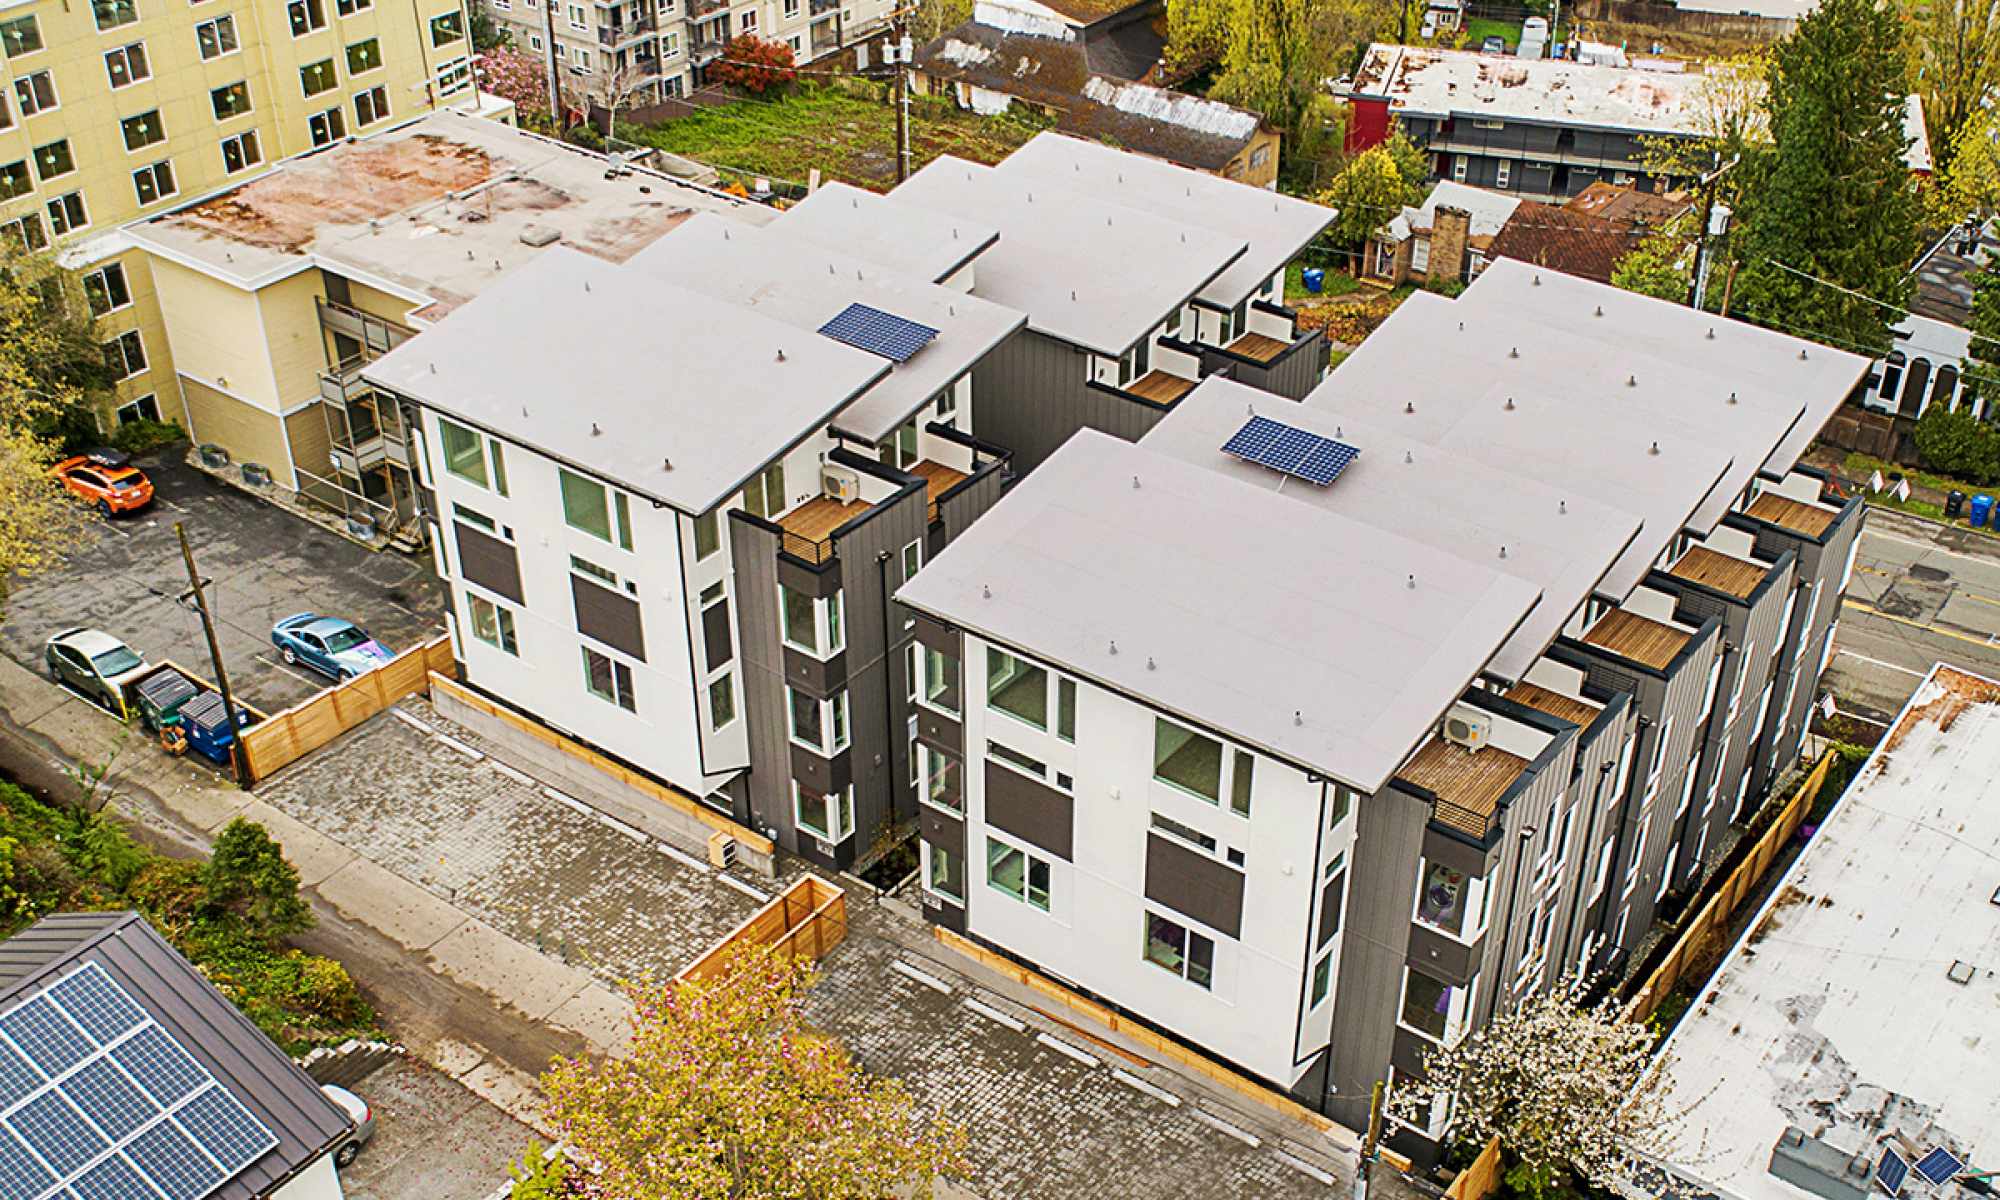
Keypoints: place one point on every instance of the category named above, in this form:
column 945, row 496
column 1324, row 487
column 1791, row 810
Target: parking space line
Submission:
column 923, row 977
column 1221, row 1126
column 411, row 721
column 292, row 671
column 1887, row 666
column 995, row 1015
column 1081, row 1057
column 451, row 743
column 509, row 772
column 686, row 860
column 1304, row 1168
column 743, row 887
column 1140, row 1085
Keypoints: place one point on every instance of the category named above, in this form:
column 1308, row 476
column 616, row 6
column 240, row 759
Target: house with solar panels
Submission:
column 1139, row 278
column 1315, row 735
column 124, row 1075
column 672, row 520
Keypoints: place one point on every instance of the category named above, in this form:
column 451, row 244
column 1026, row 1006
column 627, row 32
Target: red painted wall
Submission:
column 1367, row 123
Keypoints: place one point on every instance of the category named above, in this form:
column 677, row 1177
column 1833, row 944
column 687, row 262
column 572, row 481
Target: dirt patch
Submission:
column 352, row 183
column 1960, row 691
column 1786, row 899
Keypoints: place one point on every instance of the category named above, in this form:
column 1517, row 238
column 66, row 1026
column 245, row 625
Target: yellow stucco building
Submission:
column 116, row 109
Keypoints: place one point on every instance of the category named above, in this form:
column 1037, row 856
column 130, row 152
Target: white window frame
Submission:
column 1188, row 927
column 923, row 686
column 1501, row 172
column 1028, row 860
column 835, row 722
column 931, row 766
column 124, row 53
column 929, row 851
column 840, row 806
column 829, row 621
column 1459, row 162
column 254, row 156
column 215, row 26
column 103, row 275
column 1455, row 1019
column 505, row 628
column 1472, row 927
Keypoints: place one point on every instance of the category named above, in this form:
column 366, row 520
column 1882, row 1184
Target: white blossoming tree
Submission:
column 725, row 1094
column 1564, row 1086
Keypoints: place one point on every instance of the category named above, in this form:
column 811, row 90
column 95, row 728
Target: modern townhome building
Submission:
column 129, row 1074
column 1356, row 777
column 125, row 107
column 1095, row 75
column 276, row 292
column 1130, row 301
column 643, row 51
column 1547, row 128
column 701, row 589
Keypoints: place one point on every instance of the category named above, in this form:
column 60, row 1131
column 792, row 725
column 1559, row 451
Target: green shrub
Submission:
column 1450, row 289
column 142, row 437
column 249, row 877
column 1960, row 445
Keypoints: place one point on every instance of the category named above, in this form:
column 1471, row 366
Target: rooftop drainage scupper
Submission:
column 1290, row 450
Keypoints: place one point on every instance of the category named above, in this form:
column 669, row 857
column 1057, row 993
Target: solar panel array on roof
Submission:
column 878, row 332
column 98, row 1102
column 1939, row 1166
column 1294, row 451
column 1891, row 1171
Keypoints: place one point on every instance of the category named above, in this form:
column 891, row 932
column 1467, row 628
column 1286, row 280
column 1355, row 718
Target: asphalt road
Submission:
column 263, row 563
column 1921, row 594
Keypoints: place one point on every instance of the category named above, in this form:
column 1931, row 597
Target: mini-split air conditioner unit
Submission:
column 1467, row 726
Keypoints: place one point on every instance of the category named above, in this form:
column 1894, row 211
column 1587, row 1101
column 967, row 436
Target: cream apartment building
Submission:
column 115, row 109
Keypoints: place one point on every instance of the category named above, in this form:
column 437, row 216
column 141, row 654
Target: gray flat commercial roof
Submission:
column 1275, row 226
column 435, row 210
column 1593, row 393
column 1860, row 1003
column 1283, row 626
column 1557, row 541
column 1087, row 271
column 930, row 246
column 805, row 286
column 666, row 392
column 189, row 1009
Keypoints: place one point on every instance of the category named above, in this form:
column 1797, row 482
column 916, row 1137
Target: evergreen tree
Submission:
column 1838, row 202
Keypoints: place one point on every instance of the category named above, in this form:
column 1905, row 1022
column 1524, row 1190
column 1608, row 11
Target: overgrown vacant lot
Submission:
column 848, row 137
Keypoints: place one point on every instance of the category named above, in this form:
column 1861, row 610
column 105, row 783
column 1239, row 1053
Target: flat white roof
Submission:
column 664, row 391
column 435, row 210
column 1283, row 626
column 1275, row 226
column 804, row 285
column 930, row 246
column 1837, row 1012
column 1557, row 541
column 1440, row 83
column 1594, row 393
column 1087, row 271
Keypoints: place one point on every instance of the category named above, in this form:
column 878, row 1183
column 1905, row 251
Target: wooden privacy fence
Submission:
column 1712, row 920
column 809, row 918
column 305, row 727
column 1481, row 1178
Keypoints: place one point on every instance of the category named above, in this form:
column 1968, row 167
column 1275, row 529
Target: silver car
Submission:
column 357, row 1111
column 93, row 664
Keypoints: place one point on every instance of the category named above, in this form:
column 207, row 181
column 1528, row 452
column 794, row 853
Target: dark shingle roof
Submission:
column 196, row 1015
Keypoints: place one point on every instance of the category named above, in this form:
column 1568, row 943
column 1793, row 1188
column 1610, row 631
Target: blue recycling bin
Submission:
column 1314, row 278
column 1982, row 508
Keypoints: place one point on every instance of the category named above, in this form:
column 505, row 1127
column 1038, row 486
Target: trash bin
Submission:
column 1982, row 506
column 208, row 733
column 1954, row 504
column 1314, row 278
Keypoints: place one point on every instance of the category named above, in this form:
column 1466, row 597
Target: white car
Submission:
column 357, row 1111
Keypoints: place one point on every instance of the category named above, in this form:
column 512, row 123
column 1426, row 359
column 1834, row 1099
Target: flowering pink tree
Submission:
column 725, row 1093
column 513, row 75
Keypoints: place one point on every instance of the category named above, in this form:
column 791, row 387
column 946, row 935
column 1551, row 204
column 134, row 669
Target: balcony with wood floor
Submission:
column 1720, row 572
column 1467, row 785
column 808, row 529
column 938, row 479
column 1808, row 520
column 1160, row 387
column 1258, row 347
column 1638, row 639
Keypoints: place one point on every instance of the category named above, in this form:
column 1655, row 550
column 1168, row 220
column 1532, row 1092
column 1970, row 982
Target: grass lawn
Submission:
column 848, row 137
column 1478, row 29
column 1858, row 466
column 1338, row 283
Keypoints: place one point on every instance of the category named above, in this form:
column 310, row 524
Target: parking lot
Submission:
column 261, row 564
column 434, row 1139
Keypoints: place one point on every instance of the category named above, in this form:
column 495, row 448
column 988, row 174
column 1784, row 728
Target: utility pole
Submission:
column 553, row 60
column 236, row 755
column 900, row 54
column 1711, row 182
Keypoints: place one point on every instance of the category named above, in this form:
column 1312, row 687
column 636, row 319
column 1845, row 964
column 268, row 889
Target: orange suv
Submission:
column 107, row 479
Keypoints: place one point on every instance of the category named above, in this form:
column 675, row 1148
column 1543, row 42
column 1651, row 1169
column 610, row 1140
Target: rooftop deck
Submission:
column 938, row 479
column 1640, row 639
column 1555, row 704
column 809, row 527
column 1161, row 387
column 1724, row 572
column 1468, row 784
column 1795, row 515
column 1257, row 346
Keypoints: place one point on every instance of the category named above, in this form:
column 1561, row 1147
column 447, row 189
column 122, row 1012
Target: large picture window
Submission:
column 1017, row 687
column 1174, row 947
column 812, row 624
column 940, row 681
column 1018, row 873
column 1187, row 760
column 827, row 817
column 590, row 506
column 819, row 724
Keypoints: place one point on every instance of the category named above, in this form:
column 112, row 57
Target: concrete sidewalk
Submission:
column 478, row 904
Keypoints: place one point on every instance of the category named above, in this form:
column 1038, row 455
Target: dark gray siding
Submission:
column 608, row 617
column 1512, row 897
column 1033, row 394
column 1292, row 374
column 753, row 548
column 488, row 561
column 1190, row 882
column 966, row 503
column 1594, row 791
column 1034, row 812
column 1383, row 880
